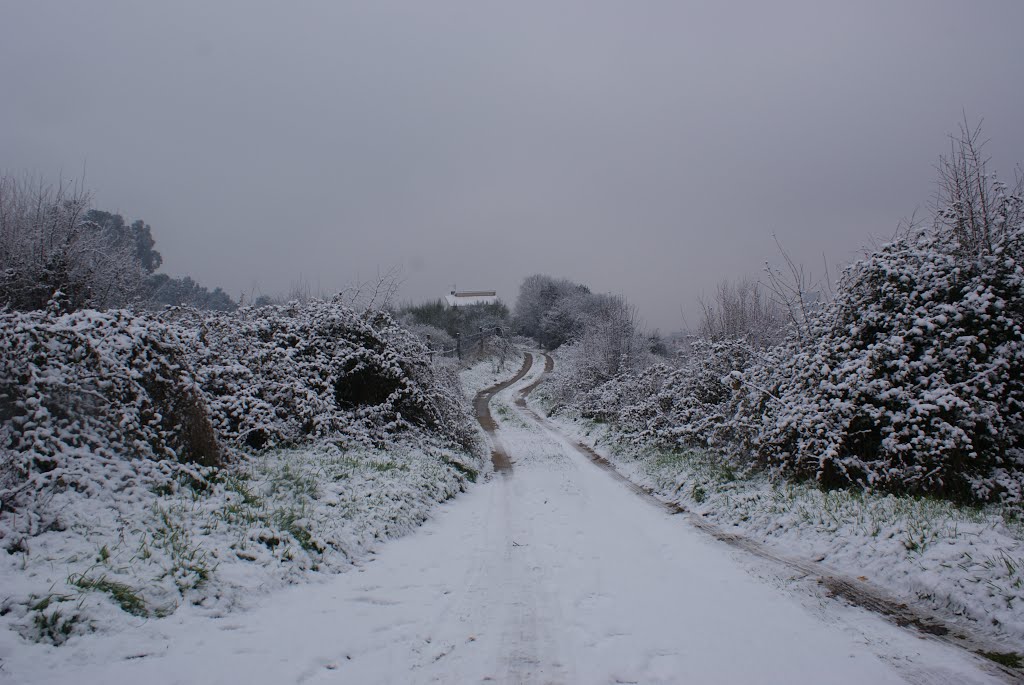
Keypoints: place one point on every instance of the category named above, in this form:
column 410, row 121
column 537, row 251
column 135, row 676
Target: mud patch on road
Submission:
column 482, row 408
column 549, row 366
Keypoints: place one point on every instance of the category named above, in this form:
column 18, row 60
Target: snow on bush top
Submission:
column 278, row 375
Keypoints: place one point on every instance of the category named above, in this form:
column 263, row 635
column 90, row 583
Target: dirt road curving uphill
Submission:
column 482, row 409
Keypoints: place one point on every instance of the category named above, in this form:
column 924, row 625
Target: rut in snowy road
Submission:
column 482, row 408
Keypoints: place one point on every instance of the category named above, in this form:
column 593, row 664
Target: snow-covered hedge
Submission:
column 911, row 382
column 675, row 406
column 607, row 347
column 99, row 401
column 151, row 459
column 279, row 375
column 916, row 382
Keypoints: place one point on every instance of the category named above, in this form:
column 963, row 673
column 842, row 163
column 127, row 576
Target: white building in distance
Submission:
column 463, row 298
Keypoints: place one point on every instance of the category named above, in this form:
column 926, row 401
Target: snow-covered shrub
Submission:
column 676, row 406
column 910, row 381
column 97, row 401
column 582, row 367
column 94, row 402
column 606, row 346
column 916, row 383
column 574, row 374
column 279, row 375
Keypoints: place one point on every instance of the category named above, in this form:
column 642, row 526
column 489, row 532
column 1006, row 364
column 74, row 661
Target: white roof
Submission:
column 468, row 297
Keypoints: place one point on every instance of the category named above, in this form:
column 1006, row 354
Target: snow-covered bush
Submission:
column 912, row 381
column 916, row 383
column 676, row 406
column 127, row 453
column 93, row 402
column 590, row 362
column 605, row 344
column 279, row 375
column 909, row 380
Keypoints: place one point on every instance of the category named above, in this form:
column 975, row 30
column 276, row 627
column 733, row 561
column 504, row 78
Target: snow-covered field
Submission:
column 131, row 558
column 555, row 573
column 966, row 564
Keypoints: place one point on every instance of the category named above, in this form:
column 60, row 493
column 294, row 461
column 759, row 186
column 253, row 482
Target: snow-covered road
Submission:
column 555, row 573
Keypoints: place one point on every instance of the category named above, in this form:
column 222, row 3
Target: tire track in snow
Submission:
column 529, row 651
column 482, row 408
column 857, row 593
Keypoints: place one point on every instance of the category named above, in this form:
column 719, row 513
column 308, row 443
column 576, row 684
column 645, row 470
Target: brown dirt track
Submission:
column 482, row 409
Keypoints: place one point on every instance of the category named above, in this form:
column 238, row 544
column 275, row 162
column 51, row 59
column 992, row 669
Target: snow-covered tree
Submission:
column 975, row 209
column 49, row 249
column 742, row 311
column 53, row 247
column 161, row 290
column 546, row 309
column 138, row 234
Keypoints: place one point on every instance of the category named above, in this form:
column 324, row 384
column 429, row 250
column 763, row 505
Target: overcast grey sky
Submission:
column 643, row 148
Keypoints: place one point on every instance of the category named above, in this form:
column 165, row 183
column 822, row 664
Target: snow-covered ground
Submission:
column 555, row 573
column 965, row 564
column 274, row 520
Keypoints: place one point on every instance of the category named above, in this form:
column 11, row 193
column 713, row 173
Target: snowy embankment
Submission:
column 106, row 525
column 966, row 564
